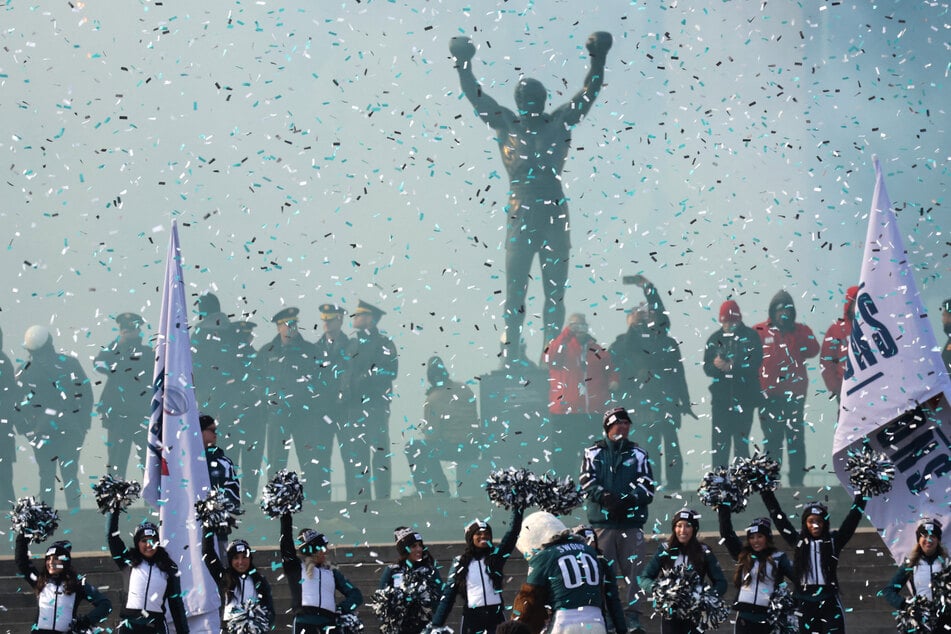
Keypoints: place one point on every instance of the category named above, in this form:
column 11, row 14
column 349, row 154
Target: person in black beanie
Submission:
column 484, row 609
column 946, row 325
column 921, row 570
column 239, row 580
column 415, row 572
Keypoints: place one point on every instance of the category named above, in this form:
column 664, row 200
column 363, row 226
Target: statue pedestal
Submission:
column 519, row 431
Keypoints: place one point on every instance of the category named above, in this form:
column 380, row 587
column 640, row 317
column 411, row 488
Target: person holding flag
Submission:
column 895, row 389
column 176, row 474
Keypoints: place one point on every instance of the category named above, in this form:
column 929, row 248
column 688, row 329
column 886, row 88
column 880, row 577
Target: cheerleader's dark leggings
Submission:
column 822, row 617
column 484, row 619
column 745, row 626
column 678, row 626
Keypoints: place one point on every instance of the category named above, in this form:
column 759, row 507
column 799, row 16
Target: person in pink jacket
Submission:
column 784, row 382
column 835, row 345
column 579, row 370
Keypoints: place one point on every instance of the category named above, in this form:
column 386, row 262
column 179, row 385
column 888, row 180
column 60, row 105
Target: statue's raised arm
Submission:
column 598, row 45
column 488, row 109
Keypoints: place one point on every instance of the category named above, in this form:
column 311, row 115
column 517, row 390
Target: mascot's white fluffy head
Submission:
column 537, row 530
column 35, row 337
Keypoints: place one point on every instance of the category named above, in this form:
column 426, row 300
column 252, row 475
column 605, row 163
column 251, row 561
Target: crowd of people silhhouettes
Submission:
column 335, row 393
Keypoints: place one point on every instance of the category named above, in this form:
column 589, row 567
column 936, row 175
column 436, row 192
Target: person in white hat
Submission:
column 55, row 412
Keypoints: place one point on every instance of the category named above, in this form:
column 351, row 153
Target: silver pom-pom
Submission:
column 445, row 629
column 34, row 520
column 283, row 494
column 409, row 606
column 348, row 623
column 679, row 593
column 558, row 497
column 115, row 494
column 718, row 489
column 251, row 617
column 512, row 488
column 781, row 613
column 941, row 592
column 916, row 615
column 217, row 511
column 757, row 473
column 871, row 472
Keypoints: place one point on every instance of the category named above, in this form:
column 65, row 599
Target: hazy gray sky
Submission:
column 318, row 152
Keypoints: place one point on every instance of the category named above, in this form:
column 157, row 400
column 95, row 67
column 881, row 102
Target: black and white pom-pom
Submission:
column 348, row 623
column 81, row 625
column 673, row 592
column 251, row 617
column 389, row 605
column 217, row 511
column 283, row 494
column 445, row 629
column 512, row 488
column 871, row 473
column 916, row 615
column 558, row 497
column 115, row 494
column 941, row 592
column 717, row 489
column 757, row 473
column 34, row 520
column 710, row 610
column 781, row 613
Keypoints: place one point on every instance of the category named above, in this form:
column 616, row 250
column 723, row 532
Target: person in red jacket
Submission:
column 835, row 345
column 579, row 370
column 783, row 379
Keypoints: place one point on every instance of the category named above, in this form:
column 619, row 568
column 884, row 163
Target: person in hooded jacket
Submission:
column 449, row 432
column 760, row 569
column 151, row 581
column 787, row 344
column 618, row 481
column 477, row 575
column 946, row 325
column 240, row 582
column 683, row 548
column 55, row 411
column 566, row 584
column 816, row 551
column 920, row 569
column 731, row 358
column 60, row 590
column 580, row 370
column 651, row 380
column 414, row 561
column 314, row 582
column 835, row 346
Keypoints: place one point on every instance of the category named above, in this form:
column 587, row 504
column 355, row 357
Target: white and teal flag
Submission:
column 176, row 474
column 896, row 389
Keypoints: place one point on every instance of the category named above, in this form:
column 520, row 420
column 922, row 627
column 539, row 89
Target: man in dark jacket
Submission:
column 332, row 392
column 732, row 358
column 617, row 477
column 372, row 370
column 650, row 376
column 784, row 383
column 288, row 365
column 127, row 365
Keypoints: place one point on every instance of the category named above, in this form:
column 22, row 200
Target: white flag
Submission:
column 896, row 389
column 176, row 474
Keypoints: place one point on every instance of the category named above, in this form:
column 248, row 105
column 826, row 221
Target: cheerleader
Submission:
column 150, row 581
column 760, row 567
column 415, row 561
column 477, row 576
column 60, row 590
column 683, row 548
column 240, row 582
column 816, row 561
column 314, row 582
column 927, row 560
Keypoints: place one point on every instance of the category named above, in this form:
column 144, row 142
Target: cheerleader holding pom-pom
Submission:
column 927, row 574
column 59, row 589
